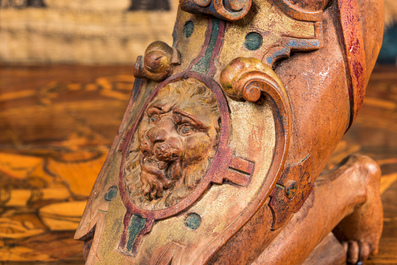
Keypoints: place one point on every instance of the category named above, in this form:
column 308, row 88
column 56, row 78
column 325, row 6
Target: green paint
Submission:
column 193, row 221
column 253, row 41
column 137, row 223
column 203, row 65
column 188, row 29
column 290, row 190
column 112, row 192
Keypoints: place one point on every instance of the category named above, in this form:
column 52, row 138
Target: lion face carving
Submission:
column 174, row 145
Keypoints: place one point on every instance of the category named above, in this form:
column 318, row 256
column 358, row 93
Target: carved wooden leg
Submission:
column 349, row 197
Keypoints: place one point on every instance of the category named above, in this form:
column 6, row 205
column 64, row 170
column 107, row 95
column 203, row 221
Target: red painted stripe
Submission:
column 354, row 45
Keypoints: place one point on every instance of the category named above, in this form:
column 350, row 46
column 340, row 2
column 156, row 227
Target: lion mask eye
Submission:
column 187, row 124
column 154, row 118
column 186, row 129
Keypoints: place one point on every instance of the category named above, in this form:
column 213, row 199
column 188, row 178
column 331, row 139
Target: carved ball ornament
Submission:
column 158, row 62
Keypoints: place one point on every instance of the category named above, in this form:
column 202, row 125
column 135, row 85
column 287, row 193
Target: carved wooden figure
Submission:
column 219, row 154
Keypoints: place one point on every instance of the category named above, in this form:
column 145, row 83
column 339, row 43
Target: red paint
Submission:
column 354, row 46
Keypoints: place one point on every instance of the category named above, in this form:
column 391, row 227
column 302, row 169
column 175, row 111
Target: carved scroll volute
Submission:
column 158, row 63
column 251, row 80
column 248, row 79
column 230, row 10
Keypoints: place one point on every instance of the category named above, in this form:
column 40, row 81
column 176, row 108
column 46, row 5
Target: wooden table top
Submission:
column 58, row 122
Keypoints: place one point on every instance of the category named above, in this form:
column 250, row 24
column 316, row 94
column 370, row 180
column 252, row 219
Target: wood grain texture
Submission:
column 58, row 123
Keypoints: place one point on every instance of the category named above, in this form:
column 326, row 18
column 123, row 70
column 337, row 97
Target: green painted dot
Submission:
column 188, row 29
column 253, row 41
column 193, row 221
column 112, row 192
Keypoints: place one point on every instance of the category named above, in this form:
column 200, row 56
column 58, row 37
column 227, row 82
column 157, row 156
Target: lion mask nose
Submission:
column 161, row 130
column 165, row 141
column 157, row 134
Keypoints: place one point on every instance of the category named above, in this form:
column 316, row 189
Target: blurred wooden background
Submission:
column 88, row 32
column 56, row 125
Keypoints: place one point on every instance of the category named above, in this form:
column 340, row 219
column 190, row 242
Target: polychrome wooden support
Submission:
column 219, row 154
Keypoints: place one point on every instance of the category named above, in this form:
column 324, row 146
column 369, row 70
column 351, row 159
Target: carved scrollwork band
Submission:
column 230, row 10
column 288, row 44
column 299, row 13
